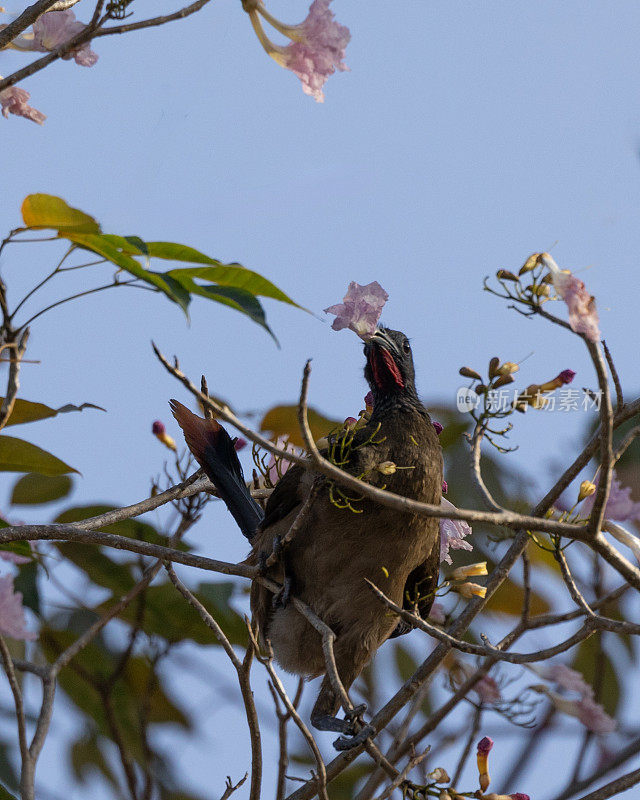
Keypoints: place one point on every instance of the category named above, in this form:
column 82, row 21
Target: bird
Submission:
column 341, row 542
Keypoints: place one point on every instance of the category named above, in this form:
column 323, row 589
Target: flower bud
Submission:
column 562, row 379
column 439, row 428
column 160, row 432
column 493, row 367
column 467, row 372
column 469, row 590
column 539, row 289
column 503, row 381
column 445, row 487
column 239, row 443
column 484, row 748
column 505, row 275
column 386, row 467
column 529, row 264
column 586, row 490
column 470, row 571
column 350, row 422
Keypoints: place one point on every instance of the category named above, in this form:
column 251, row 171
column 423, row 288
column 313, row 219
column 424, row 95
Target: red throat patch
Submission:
column 384, row 368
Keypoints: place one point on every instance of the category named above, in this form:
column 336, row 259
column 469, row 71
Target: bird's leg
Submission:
column 281, row 599
column 323, row 716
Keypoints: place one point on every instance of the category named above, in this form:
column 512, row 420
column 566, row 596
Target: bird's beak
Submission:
column 381, row 339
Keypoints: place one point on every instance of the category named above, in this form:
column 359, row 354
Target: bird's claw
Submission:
column 355, row 713
column 348, row 743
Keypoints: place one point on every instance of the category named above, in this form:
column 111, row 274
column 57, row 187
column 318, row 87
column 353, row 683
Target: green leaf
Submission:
column 86, row 756
column 406, row 664
column 16, row 455
column 48, row 211
column 26, row 581
column 19, row 548
column 509, row 597
column 168, row 615
column 34, row 489
column 105, row 246
column 283, row 421
column 238, row 299
column 98, row 567
column 28, row 411
column 590, row 664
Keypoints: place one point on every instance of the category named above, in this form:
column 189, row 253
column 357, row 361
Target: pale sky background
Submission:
column 465, row 137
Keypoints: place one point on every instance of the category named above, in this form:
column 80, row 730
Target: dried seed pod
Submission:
column 505, row 275
column 467, row 372
column 493, row 367
column 529, row 264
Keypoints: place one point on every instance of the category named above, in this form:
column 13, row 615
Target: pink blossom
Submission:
column 619, row 506
column 485, row 745
column 566, row 678
column 13, row 100
column 487, row 690
column 15, row 558
column 12, row 622
column 593, row 716
column 452, row 534
column 566, row 376
column 317, row 46
column 360, row 309
column 437, row 613
column 54, row 29
column 583, row 315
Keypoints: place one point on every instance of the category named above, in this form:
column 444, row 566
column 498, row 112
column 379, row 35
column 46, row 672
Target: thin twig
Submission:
column 614, row 376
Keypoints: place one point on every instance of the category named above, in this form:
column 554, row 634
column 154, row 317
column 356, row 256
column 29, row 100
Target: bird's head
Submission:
column 389, row 370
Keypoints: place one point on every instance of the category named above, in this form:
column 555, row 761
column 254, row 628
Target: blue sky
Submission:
column 465, row 137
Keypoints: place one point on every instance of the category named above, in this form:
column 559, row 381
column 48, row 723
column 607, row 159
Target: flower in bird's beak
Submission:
column 583, row 315
column 317, row 44
column 360, row 309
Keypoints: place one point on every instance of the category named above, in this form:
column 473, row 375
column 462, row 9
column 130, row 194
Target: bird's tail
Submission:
column 214, row 450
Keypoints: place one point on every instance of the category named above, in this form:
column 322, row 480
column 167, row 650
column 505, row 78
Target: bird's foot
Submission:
column 281, row 599
column 262, row 563
column 348, row 726
column 344, row 743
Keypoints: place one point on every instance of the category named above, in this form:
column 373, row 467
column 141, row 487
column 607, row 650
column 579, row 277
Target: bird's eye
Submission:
column 406, row 347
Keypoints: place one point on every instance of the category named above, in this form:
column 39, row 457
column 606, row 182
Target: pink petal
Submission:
column 360, row 310
column 12, row 622
column 452, row 534
column 14, row 101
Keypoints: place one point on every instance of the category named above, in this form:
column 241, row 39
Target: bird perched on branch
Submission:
column 340, row 541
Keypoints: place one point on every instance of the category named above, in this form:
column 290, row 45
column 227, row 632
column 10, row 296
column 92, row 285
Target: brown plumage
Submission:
column 336, row 550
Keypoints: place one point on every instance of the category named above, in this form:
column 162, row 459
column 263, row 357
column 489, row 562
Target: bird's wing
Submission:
column 419, row 590
column 285, row 496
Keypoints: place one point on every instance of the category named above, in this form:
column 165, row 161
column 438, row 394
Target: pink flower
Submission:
column 317, row 47
column 360, row 309
column 54, row 29
column 566, row 376
column 487, row 690
column 593, row 716
column 452, row 534
column 445, row 487
column 566, row 678
column 13, row 100
column 583, row 315
column 437, row 613
column 12, row 622
column 619, row 506
column 485, row 745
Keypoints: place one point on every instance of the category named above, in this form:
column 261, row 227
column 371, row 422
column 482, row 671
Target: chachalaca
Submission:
column 336, row 549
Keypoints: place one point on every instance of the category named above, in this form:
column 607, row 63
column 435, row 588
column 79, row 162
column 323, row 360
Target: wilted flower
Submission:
column 469, row 590
column 387, row 468
column 360, row 309
column 317, row 46
column 160, row 432
column 452, row 534
column 439, row 775
column 54, row 29
column 470, row 571
column 12, row 622
column 583, row 316
column 13, row 100
column 508, row 368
